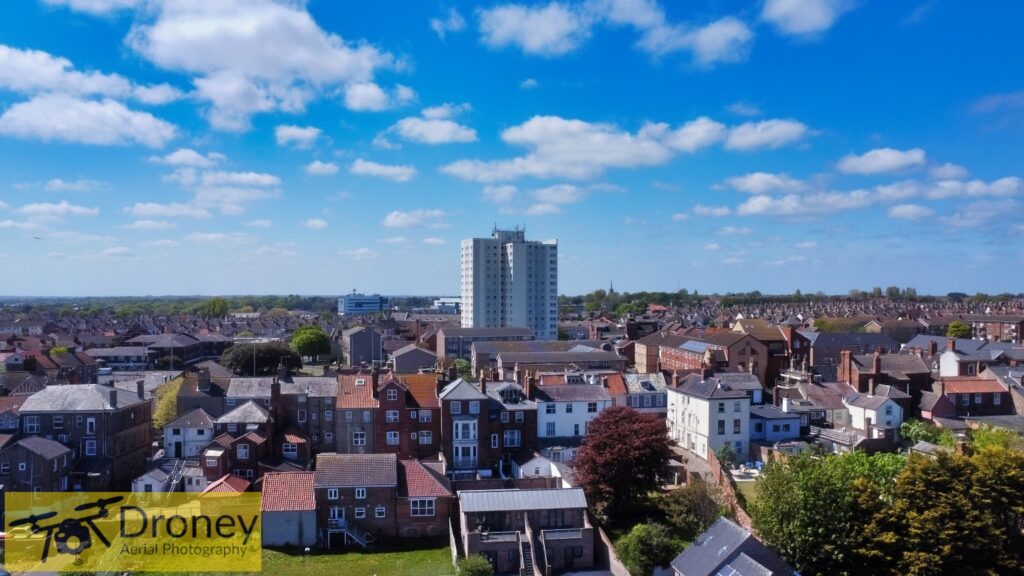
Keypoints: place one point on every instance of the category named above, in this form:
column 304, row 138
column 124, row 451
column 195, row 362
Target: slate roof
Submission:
column 334, row 470
column 412, row 347
column 472, row 501
column 865, row 401
column 572, row 393
column 891, row 392
column 829, row 395
column 79, row 398
column 710, row 388
column 312, row 386
column 863, row 341
column 963, row 344
column 416, row 481
column 195, row 418
column 248, row 413
column 769, row 412
column 460, row 389
column 740, row 380
column 899, row 366
column 726, row 545
column 48, row 449
column 258, row 387
column 928, row 400
column 288, row 492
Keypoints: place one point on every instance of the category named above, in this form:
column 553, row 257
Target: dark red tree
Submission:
column 623, row 458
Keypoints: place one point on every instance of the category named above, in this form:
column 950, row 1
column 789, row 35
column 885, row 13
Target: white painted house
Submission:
column 565, row 411
column 869, row 413
column 707, row 414
column 187, row 435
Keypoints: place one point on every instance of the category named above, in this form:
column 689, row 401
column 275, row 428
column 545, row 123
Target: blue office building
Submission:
column 362, row 303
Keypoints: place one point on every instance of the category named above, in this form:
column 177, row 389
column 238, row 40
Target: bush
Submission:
column 648, row 546
column 475, row 565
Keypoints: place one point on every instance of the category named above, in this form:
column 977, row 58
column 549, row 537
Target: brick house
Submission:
column 976, row 396
column 36, row 464
column 308, row 404
column 109, row 431
column 906, row 372
column 408, row 417
column 355, row 413
column 647, row 350
column 997, row 327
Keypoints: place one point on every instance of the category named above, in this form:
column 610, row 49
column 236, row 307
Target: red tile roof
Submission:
column 415, row 481
column 616, row 385
column 288, row 492
column 11, row 403
column 294, row 436
column 422, row 388
column 224, row 440
column 972, row 385
column 253, row 437
column 229, row 483
column 351, row 395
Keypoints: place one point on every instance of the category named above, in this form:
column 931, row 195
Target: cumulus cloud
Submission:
column 318, row 168
column 910, row 212
column 297, row 136
column 259, row 223
column 452, row 22
column 219, row 178
column 359, row 254
column 881, row 161
column 807, row 204
column 499, row 194
column 948, row 171
column 548, row 30
column 189, row 158
column 529, row 84
column 433, row 218
column 765, row 183
column 433, row 131
column 743, row 109
column 981, row 213
column 231, row 199
column 680, row 217
column 713, row 211
column 171, row 210
column 151, row 225
column 734, row 230
column 95, row 7
column 398, row 173
column 252, row 56
column 49, row 210
column 1009, row 186
column 315, row 223
column 59, row 185
column 67, row 118
column 765, row 134
column 369, row 97
column 220, row 238
column 804, row 17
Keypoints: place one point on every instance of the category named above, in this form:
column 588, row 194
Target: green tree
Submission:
column 59, row 350
column 310, row 341
column 166, row 406
column 693, row 508
column 268, row 355
column 464, row 369
column 727, row 455
column 958, row 329
column 475, row 565
column 995, row 437
column 623, row 458
column 915, row 431
column 215, row 308
column 648, row 546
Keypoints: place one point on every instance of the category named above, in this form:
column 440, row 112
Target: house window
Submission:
column 58, row 422
column 425, row 416
column 412, row 415
column 231, row 401
column 426, row 437
column 379, row 512
column 504, row 417
column 392, row 394
column 332, row 493
column 550, row 431
column 513, row 438
column 348, row 415
column 312, row 415
column 456, row 407
column 328, row 415
column 78, row 421
column 360, row 493
column 232, row 428
column 392, row 438
column 888, row 410
column 328, row 436
column 592, row 407
column 575, row 429
column 175, row 431
column 721, row 426
column 211, row 462
column 360, row 513
column 90, row 447
column 965, row 399
column 550, row 408
column 721, row 407
column 31, row 424
column 785, row 427
column 5, row 467
column 366, row 416
column 289, row 450
column 392, row 416
column 568, row 407
column 301, row 416
column 970, row 369
column 647, row 400
column 21, row 466
column 243, row 451
column 758, row 427
column 422, row 506
column 494, row 440
column 359, row 438
column 520, row 417
column 977, row 398
column 997, row 399
column 735, row 406
column 736, row 426
column 413, row 436
column 474, row 406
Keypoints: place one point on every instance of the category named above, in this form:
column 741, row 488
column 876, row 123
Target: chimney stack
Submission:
column 531, row 382
column 453, row 373
column 113, row 398
column 483, row 381
column 282, row 371
column 871, row 386
column 933, row 347
column 951, row 344
column 140, row 388
column 374, row 376
column 876, row 363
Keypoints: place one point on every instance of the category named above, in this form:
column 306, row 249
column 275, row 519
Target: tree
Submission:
column 475, row 565
column 59, row 350
column 892, row 292
column 166, row 406
column 693, row 508
column 310, row 341
column 268, row 355
column 648, row 546
column 215, row 307
column 623, row 458
column 727, row 455
column 995, row 437
column 958, row 329
column 915, row 431
column 463, row 368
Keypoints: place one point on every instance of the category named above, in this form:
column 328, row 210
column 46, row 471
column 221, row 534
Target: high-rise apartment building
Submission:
column 509, row 281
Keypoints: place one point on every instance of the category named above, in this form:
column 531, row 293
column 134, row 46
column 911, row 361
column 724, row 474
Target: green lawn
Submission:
column 423, row 561
column 748, row 490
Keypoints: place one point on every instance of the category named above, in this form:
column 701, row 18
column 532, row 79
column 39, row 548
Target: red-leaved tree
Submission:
column 623, row 458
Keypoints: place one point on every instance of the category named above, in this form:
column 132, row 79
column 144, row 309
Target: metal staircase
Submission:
column 527, row 550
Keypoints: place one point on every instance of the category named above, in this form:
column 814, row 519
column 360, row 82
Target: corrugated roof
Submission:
column 471, row 501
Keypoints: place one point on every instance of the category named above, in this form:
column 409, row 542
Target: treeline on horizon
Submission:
column 621, row 303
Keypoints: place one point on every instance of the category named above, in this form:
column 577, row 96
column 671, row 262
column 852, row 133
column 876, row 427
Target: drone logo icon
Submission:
column 71, row 536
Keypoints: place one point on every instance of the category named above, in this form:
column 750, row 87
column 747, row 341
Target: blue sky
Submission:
column 198, row 147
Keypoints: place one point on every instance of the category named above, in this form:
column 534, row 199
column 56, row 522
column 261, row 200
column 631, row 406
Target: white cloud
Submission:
column 724, row 40
column 298, row 136
column 680, row 217
column 764, row 183
column 529, row 84
column 172, row 210
column 315, row 223
column 395, row 240
column 765, row 134
column 1009, row 186
column 415, row 219
column 58, row 185
column 259, row 223
column 743, row 109
column 398, row 173
column 252, row 56
column 734, row 230
column 231, row 199
column 712, row 246
column 56, row 210
column 806, row 245
column 446, row 110
column 219, row 178
column 17, row 224
column 804, row 17
column 560, row 194
column 433, row 131
column 981, row 213
column 67, row 118
column 151, row 225
column 713, row 211
column 157, row 94
column 695, row 135
column 360, row 254
column 499, row 194
column 433, row 241
column 881, row 161
column 366, row 96
column 543, row 209
column 948, row 171
column 910, row 212
column 162, row 243
column 278, row 250
column 318, row 168
column 188, row 157
column 117, row 253
column 221, row 238
column 3, row 205
column 808, row 204
column 452, row 22
column 95, row 7
column 550, row 30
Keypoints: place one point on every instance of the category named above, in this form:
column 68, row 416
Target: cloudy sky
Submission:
column 198, row 147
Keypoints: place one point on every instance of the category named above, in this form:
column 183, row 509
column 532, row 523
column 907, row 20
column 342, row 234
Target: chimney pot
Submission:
column 113, row 398
column 140, row 387
column 483, row 381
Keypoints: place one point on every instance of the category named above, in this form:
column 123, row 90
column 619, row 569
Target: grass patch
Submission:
column 747, row 492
